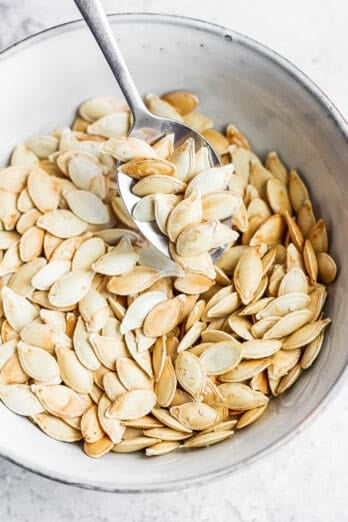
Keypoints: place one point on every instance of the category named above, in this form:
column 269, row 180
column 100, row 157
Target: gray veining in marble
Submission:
column 307, row 480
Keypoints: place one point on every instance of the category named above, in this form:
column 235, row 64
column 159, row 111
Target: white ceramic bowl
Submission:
column 44, row 78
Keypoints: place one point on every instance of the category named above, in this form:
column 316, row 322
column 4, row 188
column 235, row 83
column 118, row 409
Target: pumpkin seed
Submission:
column 191, row 336
column 288, row 380
column 311, row 351
column 43, row 191
column 73, row 373
column 259, row 348
column 250, row 416
column 207, row 439
column 310, row 260
column 139, row 309
column 83, row 347
column 108, row 349
column 142, row 358
column 198, row 121
column 284, row 304
column 115, row 263
column 305, row 335
column 62, row 223
column 288, row 324
column 132, row 405
column 242, row 397
column 210, row 180
column 59, row 400
column 293, row 281
column 112, row 386
column 131, row 376
column 245, row 370
column 20, row 399
column 98, row 448
column 297, row 191
column 163, row 317
column 49, row 274
column 305, row 218
column 17, row 309
column 161, row 448
column 90, row 425
column 38, row 363
column 278, row 197
column 56, row 428
column 327, row 268
column 190, row 373
column 195, row 415
column 274, row 165
column 187, row 211
column 270, row 232
column 70, row 288
column 183, row 101
column 248, row 275
column 282, row 362
column 166, row 384
column 112, row 426
column 221, row 357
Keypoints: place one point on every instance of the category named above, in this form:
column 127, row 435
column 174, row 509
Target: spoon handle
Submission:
column 95, row 17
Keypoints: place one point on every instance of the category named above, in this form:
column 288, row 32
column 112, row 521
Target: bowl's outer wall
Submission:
column 45, row 79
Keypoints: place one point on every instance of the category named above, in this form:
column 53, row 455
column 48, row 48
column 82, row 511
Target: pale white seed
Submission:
column 96, row 108
column 72, row 372
column 56, row 428
column 20, row 399
column 49, row 274
column 111, row 125
column 83, row 347
column 62, row 223
column 43, row 190
column 190, row 373
column 221, row 357
column 115, row 263
column 38, row 363
column 17, row 309
column 70, row 288
column 87, row 206
column 88, row 253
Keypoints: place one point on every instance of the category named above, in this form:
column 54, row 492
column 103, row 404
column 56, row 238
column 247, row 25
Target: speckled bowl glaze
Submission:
column 44, row 78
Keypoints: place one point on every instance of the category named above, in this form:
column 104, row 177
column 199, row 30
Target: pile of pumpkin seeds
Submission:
column 104, row 340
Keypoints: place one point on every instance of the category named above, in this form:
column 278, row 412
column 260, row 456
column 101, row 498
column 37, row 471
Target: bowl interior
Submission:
column 42, row 82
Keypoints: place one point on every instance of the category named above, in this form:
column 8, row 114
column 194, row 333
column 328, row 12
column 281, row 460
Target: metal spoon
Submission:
column 95, row 17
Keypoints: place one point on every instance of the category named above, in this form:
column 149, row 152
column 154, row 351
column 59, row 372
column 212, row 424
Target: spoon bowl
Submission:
column 125, row 183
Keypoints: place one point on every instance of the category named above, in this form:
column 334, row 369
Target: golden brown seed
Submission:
column 183, row 101
column 294, row 231
column 235, row 137
column 270, row 232
column 310, row 260
column 327, row 268
column 163, row 317
column 278, row 169
column 318, row 237
column 297, row 191
column 217, row 140
column 166, row 385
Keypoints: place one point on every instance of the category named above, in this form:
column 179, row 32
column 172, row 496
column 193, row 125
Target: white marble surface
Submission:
column 306, row 480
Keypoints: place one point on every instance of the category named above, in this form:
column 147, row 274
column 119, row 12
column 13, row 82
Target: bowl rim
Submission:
column 340, row 123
